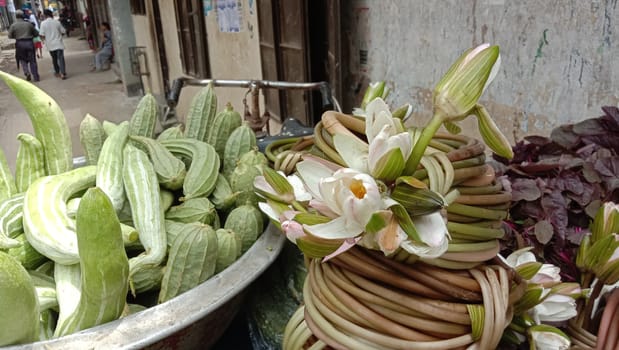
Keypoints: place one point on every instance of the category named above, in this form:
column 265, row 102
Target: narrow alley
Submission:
column 100, row 94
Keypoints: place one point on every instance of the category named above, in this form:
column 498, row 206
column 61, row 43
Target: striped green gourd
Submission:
column 27, row 256
column 30, row 163
column 247, row 222
column 229, row 247
column 92, row 137
column 172, row 229
column 242, row 178
column 19, row 304
column 143, row 194
column 241, row 141
column 109, row 127
column 166, row 198
column 170, row 170
column 222, row 196
column 46, row 224
column 104, row 265
column 194, row 210
column 7, row 181
column 223, row 125
column 173, row 132
column 48, row 121
column 201, row 113
column 204, row 167
column 110, row 166
column 129, row 233
column 192, row 260
column 145, row 117
column 68, row 280
column 147, row 279
column 11, row 220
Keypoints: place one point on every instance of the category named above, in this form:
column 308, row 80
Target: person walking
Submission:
column 51, row 32
column 23, row 32
column 106, row 50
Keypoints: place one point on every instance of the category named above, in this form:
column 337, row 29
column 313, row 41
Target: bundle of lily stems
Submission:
column 400, row 228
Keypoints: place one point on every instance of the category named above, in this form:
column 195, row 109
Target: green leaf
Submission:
column 390, row 165
column 529, row 269
column 533, row 296
column 317, row 248
column 378, row 221
column 405, row 222
column 311, row 219
column 279, row 183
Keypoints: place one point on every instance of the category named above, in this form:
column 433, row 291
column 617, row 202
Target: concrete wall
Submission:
column 231, row 55
column 123, row 34
column 559, row 57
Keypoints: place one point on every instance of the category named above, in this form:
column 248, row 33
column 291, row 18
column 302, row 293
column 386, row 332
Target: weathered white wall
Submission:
column 560, row 58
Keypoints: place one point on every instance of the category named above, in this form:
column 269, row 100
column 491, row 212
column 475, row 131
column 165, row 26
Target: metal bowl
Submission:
column 193, row 320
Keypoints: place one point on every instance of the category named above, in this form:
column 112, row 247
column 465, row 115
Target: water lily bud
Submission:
column 375, row 90
column 554, row 308
column 548, row 337
column 274, row 185
column 493, row 137
column 533, row 296
column 606, row 221
column 404, row 112
column 583, row 249
column 460, row 88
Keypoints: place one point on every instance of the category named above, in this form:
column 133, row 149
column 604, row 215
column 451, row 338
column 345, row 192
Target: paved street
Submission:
column 99, row 94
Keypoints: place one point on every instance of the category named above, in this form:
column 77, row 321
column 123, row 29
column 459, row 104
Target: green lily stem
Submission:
column 424, row 140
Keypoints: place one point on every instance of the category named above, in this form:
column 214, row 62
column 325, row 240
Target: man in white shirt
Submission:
column 51, row 32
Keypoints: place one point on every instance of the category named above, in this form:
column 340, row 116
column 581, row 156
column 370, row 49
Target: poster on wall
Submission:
column 229, row 15
column 207, row 6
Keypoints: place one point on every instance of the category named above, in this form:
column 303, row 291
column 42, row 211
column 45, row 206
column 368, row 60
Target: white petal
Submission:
column 353, row 151
column 378, row 147
column 373, row 110
column 269, row 211
column 402, row 141
column 334, row 229
column 323, row 208
column 329, row 188
column 293, row 230
column 431, row 229
column 520, row 257
column 300, row 192
column 425, row 251
column 260, row 183
column 312, row 172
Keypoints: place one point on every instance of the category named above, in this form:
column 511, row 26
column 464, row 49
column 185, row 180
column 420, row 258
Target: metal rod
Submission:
column 253, row 83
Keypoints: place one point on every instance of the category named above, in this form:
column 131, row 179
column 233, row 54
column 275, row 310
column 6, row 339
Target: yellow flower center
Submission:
column 357, row 188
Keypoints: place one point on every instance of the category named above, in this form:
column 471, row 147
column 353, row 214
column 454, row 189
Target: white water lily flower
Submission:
column 388, row 239
column 547, row 274
column 545, row 338
column 433, row 233
column 312, row 170
column 555, row 308
column 352, row 195
column 264, row 189
column 520, row 256
column 377, row 116
column 382, row 146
